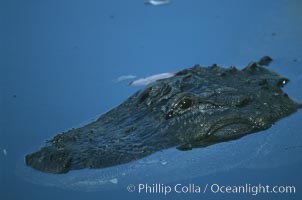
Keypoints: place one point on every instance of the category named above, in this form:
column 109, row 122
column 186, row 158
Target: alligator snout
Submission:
column 50, row 160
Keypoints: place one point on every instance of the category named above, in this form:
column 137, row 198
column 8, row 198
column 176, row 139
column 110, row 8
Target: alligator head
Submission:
column 195, row 108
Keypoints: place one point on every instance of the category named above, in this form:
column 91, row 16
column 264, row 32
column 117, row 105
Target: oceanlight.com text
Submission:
column 192, row 188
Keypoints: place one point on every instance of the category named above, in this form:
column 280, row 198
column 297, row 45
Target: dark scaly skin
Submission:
column 197, row 107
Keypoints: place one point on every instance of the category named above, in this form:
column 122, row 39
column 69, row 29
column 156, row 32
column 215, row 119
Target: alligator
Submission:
column 197, row 107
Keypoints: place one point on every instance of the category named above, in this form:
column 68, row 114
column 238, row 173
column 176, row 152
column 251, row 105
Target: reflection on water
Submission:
column 280, row 145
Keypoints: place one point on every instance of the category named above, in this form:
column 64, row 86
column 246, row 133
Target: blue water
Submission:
column 59, row 60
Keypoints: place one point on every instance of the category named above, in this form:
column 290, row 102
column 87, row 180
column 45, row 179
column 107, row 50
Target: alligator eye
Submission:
column 180, row 107
column 282, row 82
column 185, row 103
